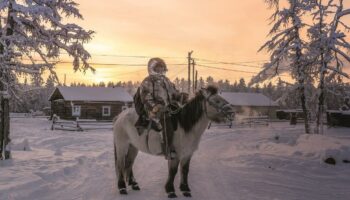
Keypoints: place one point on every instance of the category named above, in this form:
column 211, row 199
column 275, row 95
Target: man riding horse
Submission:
column 158, row 95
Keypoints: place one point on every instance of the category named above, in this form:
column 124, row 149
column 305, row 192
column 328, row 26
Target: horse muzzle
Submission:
column 228, row 111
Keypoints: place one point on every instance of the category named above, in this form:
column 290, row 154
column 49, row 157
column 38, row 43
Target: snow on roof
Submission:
column 94, row 94
column 247, row 99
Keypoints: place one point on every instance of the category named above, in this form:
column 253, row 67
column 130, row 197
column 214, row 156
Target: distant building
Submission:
column 251, row 104
column 98, row 103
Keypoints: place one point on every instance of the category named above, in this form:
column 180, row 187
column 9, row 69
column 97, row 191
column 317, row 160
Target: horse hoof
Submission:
column 187, row 194
column 135, row 187
column 123, row 191
column 172, row 195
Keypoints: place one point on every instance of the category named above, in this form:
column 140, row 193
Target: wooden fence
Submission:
column 80, row 124
column 244, row 121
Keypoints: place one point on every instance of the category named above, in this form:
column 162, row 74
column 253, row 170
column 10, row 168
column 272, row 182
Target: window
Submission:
column 106, row 111
column 76, row 110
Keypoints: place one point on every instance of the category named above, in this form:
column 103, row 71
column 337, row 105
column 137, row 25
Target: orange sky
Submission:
column 224, row 30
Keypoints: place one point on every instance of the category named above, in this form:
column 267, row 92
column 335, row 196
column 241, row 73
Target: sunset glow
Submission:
column 221, row 30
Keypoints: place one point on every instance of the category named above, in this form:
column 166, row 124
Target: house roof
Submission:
column 92, row 94
column 247, row 99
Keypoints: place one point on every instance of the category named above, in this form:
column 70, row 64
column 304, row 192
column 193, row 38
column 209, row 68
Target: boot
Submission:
column 169, row 150
column 156, row 125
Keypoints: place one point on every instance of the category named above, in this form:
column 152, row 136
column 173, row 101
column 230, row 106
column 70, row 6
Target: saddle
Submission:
column 169, row 126
column 143, row 122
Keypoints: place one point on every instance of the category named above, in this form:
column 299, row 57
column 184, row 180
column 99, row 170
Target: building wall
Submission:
column 89, row 110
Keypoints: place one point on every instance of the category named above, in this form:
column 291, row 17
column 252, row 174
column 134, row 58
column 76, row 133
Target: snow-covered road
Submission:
column 237, row 163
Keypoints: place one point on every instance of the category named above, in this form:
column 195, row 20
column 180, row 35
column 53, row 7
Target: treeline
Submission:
column 35, row 96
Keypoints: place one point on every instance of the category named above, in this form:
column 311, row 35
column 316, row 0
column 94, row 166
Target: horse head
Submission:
column 216, row 107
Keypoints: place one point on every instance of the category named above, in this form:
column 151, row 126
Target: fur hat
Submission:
column 156, row 62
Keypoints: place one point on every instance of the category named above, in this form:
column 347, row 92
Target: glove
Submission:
column 155, row 110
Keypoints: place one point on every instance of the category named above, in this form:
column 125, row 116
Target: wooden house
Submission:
column 98, row 103
column 251, row 104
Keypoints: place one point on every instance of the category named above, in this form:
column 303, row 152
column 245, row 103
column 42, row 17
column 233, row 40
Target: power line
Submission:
column 128, row 64
column 178, row 72
column 234, row 70
column 107, row 64
column 128, row 56
column 234, row 65
column 230, row 63
column 174, row 64
column 241, row 62
column 226, row 69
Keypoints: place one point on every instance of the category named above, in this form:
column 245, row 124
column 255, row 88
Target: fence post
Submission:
column 54, row 119
column 78, row 125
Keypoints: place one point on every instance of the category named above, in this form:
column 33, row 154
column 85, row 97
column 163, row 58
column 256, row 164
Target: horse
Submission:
column 191, row 121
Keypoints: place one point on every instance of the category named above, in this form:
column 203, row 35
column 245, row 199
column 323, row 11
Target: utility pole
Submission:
column 189, row 71
column 196, row 81
column 193, row 78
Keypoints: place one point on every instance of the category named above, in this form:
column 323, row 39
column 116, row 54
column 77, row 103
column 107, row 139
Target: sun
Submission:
column 98, row 79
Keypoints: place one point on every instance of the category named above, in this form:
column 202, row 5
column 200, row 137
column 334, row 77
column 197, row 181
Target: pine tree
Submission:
column 242, row 87
column 201, row 83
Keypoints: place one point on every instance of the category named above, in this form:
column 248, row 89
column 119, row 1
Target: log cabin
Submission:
column 100, row 103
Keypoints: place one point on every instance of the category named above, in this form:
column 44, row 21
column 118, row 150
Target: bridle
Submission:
column 219, row 109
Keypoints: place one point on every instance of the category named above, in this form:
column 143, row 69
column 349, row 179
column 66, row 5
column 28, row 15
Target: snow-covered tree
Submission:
column 328, row 48
column 242, row 87
column 287, row 48
column 33, row 34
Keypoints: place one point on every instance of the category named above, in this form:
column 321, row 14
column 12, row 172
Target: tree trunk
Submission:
column 2, row 136
column 5, row 115
column 321, row 104
column 304, row 107
column 301, row 81
column 4, row 96
column 301, row 72
column 321, row 97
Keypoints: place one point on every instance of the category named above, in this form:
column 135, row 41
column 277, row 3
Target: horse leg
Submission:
column 169, row 186
column 119, row 158
column 185, row 166
column 130, row 158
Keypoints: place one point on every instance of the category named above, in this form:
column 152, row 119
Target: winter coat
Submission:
column 157, row 89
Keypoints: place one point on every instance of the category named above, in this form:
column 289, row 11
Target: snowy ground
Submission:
column 238, row 163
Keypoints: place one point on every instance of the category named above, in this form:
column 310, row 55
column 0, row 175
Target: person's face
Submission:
column 160, row 69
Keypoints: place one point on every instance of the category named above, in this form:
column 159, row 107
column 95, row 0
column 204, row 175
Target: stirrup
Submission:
column 156, row 126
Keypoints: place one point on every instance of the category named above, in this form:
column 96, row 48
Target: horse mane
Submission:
column 193, row 110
